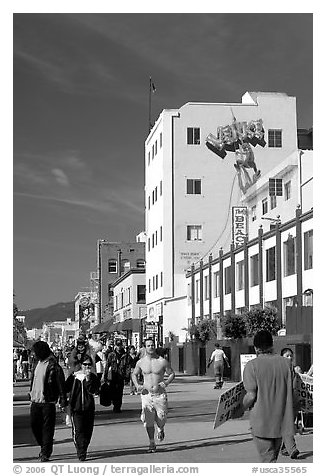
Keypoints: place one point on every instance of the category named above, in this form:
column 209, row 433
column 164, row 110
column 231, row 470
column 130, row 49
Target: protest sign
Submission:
column 228, row 403
column 244, row 359
column 304, row 392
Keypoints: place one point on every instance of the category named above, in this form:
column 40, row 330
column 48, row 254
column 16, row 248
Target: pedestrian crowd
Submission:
column 93, row 368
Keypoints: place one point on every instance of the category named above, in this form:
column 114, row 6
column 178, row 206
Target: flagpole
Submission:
column 150, row 105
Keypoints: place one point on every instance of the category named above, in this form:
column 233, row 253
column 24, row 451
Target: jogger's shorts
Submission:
column 154, row 408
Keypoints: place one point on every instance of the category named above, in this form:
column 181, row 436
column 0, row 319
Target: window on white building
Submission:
column 289, row 256
column 193, row 135
column 161, row 233
column 141, row 293
column 153, row 150
column 149, row 244
column 149, row 157
column 216, row 284
column 287, row 190
column 161, row 140
column 161, row 187
column 197, row 290
column 307, row 249
column 273, row 201
column 194, row 232
column 274, row 137
column 254, row 270
column 113, row 266
column 270, row 264
column 193, row 186
column 240, row 275
column 264, row 206
column 161, row 278
column 155, row 147
column 149, row 285
column 227, row 278
column 207, row 290
column 149, row 202
column 254, row 213
column 155, row 194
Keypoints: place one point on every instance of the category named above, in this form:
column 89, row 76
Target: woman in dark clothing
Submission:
column 82, row 385
column 115, row 374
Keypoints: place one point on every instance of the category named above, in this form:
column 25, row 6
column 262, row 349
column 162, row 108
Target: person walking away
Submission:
column 268, row 383
column 289, row 447
column 81, row 386
column 218, row 357
column 132, row 359
column 115, row 373
column 153, row 391
column 24, row 363
column 15, row 360
column 47, row 388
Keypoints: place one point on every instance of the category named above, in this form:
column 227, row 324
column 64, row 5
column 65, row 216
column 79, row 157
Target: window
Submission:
column 161, row 233
column 216, row 284
column 156, row 281
column 253, row 213
column 149, row 158
column 153, row 240
column 287, row 190
column 273, row 203
column 161, row 140
column 307, row 247
column 240, row 275
column 113, row 267
column 149, row 285
column 155, row 194
column 161, row 278
column 275, row 187
column 140, row 263
column 149, row 202
column 194, row 232
column 125, row 265
column 149, row 244
column 193, row 186
column 289, row 256
column 274, row 137
column 264, row 206
column 156, row 237
column 153, row 151
column 161, row 187
column 270, row 264
column 254, row 271
column 227, row 276
column 153, row 197
column 193, row 135
column 197, row 290
column 206, row 288
column 141, row 293
column 153, row 283
column 155, row 147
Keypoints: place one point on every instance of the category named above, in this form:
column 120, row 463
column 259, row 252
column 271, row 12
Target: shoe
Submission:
column 152, row 448
column 82, row 457
column 284, row 453
column 295, row 454
column 44, row 459
column 161, row 435
column 117, row 410
column 215, row 387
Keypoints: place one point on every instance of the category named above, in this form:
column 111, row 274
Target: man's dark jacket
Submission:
column 54, row 382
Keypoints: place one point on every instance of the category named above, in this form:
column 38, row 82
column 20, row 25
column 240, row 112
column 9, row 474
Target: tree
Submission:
column 19, row 331
column 205, row 330
column 262, row 319
column 233, row 326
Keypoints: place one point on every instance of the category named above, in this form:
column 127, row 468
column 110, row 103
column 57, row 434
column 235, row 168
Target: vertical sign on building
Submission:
column 239, row 225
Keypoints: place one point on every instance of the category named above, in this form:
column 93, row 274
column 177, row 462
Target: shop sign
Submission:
column 239, row 225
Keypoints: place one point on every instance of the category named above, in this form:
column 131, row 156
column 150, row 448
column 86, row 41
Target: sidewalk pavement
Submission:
column 190, row 437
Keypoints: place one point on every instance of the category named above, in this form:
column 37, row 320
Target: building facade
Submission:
column 189, row 188
column 113, row 260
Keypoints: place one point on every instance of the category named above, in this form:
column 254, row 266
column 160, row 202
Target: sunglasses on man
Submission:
column 87, row 364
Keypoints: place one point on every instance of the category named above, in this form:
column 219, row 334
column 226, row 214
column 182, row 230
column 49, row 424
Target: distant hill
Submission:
column 34, row 318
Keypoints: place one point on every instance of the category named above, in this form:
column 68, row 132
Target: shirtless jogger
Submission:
column 153, row 394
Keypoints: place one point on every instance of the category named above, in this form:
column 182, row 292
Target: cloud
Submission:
column 61, row 177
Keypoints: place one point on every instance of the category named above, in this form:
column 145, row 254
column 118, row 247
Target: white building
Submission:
column 189, row 189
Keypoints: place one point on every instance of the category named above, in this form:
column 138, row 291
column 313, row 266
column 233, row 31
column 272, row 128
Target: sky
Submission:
column 80, row 120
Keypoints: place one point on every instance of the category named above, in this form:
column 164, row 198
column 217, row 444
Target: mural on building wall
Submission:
column 239, row 137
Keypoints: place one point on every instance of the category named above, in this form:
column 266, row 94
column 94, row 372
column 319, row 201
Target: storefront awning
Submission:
column 102, row 327
column 131, row 325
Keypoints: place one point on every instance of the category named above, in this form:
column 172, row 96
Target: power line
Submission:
column 226, row 223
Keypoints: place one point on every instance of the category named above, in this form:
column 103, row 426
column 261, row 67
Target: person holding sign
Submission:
column 218, row 357
column 268, row 383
